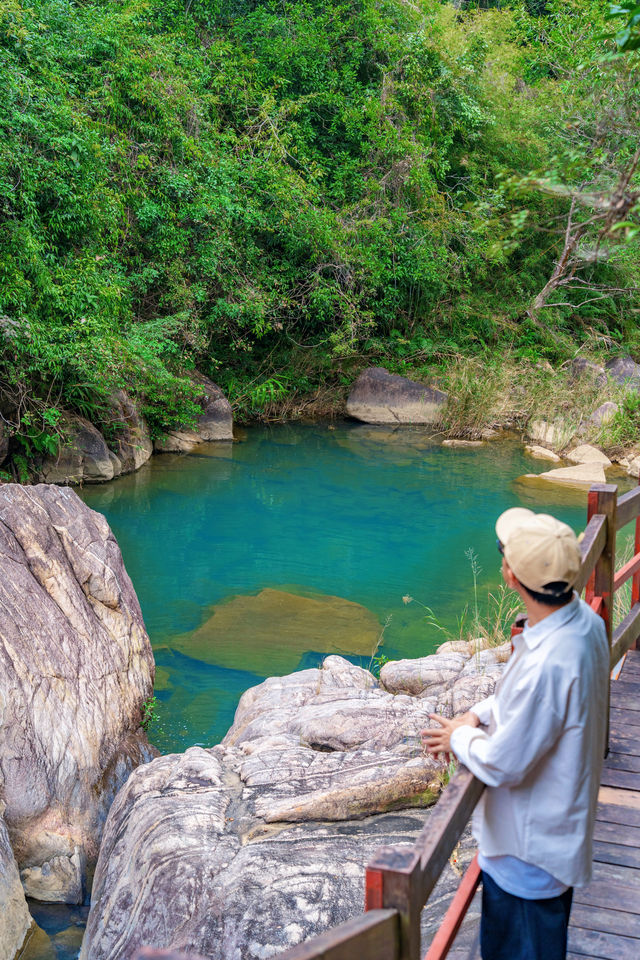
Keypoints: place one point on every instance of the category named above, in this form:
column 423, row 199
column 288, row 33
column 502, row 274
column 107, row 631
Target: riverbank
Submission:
column 593, row 400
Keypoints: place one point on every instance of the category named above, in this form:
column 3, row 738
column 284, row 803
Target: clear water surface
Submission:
column 261, row 556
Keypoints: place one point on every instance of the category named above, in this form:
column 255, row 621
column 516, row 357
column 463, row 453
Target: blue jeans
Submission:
column 512, row 928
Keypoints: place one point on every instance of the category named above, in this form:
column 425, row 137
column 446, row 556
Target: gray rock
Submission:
column 378, row 396
column 75, row 667
column 604, row 414
column 132, row 444
column 15, row 919
column 83, row 458
column 198, row 851
column 582, row 369
column 215, row 423
column 625, row 371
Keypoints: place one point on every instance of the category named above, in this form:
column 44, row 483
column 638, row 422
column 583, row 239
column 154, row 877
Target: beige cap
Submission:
column 539, row 549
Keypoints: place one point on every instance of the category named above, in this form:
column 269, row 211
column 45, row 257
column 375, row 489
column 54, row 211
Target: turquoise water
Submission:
column 306, row 512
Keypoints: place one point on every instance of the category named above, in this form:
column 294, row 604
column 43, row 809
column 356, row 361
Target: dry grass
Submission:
column 509, row 392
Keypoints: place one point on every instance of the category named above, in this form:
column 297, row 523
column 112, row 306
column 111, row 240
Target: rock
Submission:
column 417, row 677
column 215, row 422
column 378, row 396
column 75, row 667
column 57, row 880
column 198, row 854
column 557, row 434
column 541, row 453
column 132, row 444
column 604, row 414
column 15, row 919
column 633, row 467
column 583, row 475
column 625, row 371
column 580, row 369
column 586, row 453
column 462, row 443
column 83, row 457
column 272, row 630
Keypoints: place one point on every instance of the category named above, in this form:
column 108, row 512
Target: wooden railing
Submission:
column 398, row 880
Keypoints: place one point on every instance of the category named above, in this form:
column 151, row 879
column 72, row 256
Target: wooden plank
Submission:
column 622, row 700
column 621, row 833
column 452, row 921
column 592, row 545
column 627, row 745
column 616, row 813
column 602, row 946
column 605, row 920
column 371, row 936
column 626, row 572
column 620, row 798
column 605, row 893
column 616, row 853
column 620, row 778
column 624, row 719
column 625, row 634
column 616, row 873
column 623, row 761
column 628, row 508
column 627, row 684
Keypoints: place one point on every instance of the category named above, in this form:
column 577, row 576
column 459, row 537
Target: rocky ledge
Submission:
column 244, row 849
column 75, row 668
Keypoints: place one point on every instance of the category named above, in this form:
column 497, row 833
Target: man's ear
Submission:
column 510, row 578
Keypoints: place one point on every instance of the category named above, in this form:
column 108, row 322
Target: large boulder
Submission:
column 624, row 371
column 556, row 434
column 586, row 453
column 15, row 920
column 603, row 415
column 214, row 423
column 239, row 851
column 75, row 668
column 83, row 456
column 132, row 444
column 378, row 396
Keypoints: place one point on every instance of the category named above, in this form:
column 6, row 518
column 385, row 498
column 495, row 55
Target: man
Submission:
column 538, row 743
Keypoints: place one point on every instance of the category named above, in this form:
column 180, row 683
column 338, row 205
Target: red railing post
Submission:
column 603, row 499
column 393, row 881
column 635, row 583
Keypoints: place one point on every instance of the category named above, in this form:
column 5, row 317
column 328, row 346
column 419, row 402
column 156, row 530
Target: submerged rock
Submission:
column 75, row 667
column 378, row 396
column 273, row 629
column 199, row 851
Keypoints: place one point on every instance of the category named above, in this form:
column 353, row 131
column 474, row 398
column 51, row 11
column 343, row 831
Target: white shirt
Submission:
column 542, row 757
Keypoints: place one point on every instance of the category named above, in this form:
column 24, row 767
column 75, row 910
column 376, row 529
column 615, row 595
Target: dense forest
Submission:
column 279, row 192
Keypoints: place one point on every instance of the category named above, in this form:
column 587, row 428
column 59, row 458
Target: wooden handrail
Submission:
column 591, row 547
column 371, row 936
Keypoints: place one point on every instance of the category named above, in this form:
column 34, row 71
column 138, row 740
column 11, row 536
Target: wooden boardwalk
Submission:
column 605, row 919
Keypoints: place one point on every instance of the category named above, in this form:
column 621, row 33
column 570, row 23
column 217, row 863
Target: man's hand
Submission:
column 439, row 740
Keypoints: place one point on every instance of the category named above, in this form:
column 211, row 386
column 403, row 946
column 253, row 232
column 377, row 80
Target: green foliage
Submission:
column 219, row 183
column 624, row 428
column 149, row 711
